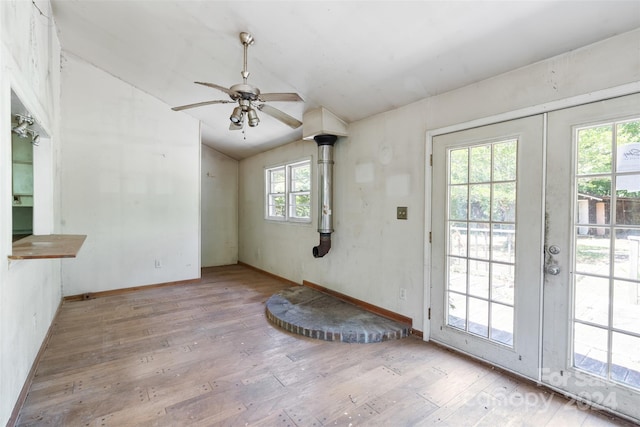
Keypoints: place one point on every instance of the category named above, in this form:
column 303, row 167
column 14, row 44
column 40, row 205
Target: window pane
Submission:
column 502, row 282
column 276, row 205
column 504, row 202
column 628, row 199
column 480, row 164
column 504, row 161
column 459, row 167
column 300, row 205
column 479, row 202
column 592, row 255
column 626, row 306
column 276, row 180
column 479, row 240
column 479, row 317
column 596, row 189
column 479, row 278
column 627, row 132
column 301, row 177
column 594, row 150
column 458, row 238
column 458, row 274
column 457, row 313
column 502, row 324
column 625, row 359
column 626, row 257
column 590, row 349
column 458, row 202
column 503, row 243
column 628, row 157
column 592, row 299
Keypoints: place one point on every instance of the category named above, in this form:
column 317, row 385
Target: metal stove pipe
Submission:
column 325, row 205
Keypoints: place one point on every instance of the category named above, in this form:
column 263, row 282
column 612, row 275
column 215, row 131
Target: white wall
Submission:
column 382, row 165
column 219, row 177
column 281, row 248
column 130, row 176
column 30, row 291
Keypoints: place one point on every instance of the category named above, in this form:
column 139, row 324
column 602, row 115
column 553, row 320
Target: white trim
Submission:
column 561, row 104
column 428, row 180
column 545, row 121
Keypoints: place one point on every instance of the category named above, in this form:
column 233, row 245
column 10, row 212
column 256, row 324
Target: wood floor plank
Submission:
column 204, row 354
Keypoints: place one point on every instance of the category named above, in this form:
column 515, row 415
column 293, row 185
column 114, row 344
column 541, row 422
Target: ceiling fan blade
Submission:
column 215, row 86
column 280, row 115
column 285, row 97
column 201, row 104
column 233, row 126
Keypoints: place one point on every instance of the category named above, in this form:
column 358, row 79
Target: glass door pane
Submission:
column 606, row 308
column 481, row 239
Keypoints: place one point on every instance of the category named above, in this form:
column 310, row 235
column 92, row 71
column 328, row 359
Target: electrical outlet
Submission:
column 403, row 294
column 158, row 263
column 401, row 212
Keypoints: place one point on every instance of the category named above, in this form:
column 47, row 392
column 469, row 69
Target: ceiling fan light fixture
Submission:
column 21, row 129
column 236, row 115
column 253, row 117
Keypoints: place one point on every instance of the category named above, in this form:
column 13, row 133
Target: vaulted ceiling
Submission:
column 356, row 58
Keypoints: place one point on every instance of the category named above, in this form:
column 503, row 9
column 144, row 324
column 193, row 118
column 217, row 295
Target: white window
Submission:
column 288, row 192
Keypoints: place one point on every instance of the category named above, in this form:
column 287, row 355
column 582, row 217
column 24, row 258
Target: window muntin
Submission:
column 288, row 195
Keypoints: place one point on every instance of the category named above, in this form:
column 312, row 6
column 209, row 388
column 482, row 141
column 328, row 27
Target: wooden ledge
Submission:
column 48, row 246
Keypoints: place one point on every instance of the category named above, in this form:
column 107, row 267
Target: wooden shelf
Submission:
column 48, row 246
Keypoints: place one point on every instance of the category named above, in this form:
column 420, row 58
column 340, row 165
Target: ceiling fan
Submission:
column 249, row 98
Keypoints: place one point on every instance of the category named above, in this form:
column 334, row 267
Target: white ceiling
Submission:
column 356, row 58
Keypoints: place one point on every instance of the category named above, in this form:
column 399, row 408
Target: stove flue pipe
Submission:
column 325, row 184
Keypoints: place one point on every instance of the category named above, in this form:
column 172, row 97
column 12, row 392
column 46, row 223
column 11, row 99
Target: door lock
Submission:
column 554, row 250
column 551, row 265
column 554, row 270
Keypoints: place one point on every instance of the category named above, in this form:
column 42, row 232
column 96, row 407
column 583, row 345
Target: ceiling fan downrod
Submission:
column 246, row 39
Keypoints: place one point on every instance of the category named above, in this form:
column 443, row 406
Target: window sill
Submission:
column 48, row 246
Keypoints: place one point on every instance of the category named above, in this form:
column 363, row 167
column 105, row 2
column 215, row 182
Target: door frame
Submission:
column 574, row 101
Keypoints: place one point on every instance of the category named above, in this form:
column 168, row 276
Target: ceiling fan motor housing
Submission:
column 244, row 91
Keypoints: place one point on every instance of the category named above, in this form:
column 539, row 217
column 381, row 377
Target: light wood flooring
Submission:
column 204, row 354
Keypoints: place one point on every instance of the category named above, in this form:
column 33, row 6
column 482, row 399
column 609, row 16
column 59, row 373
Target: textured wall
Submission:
column 130, row 176
column 30, row 291
column 219, row 208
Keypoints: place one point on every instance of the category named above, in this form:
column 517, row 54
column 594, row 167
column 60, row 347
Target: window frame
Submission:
column 288, row 195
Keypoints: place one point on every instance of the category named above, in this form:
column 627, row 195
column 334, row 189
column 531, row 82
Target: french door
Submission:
column 487, row 240
column 536, row 248
column 591, row 345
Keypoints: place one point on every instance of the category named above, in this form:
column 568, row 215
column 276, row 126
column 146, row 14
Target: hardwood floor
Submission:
column 204, row 354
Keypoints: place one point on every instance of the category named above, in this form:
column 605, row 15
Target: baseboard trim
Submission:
column 100, row 294
column 13, row 419
column 266, row 273
column 362, row 304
